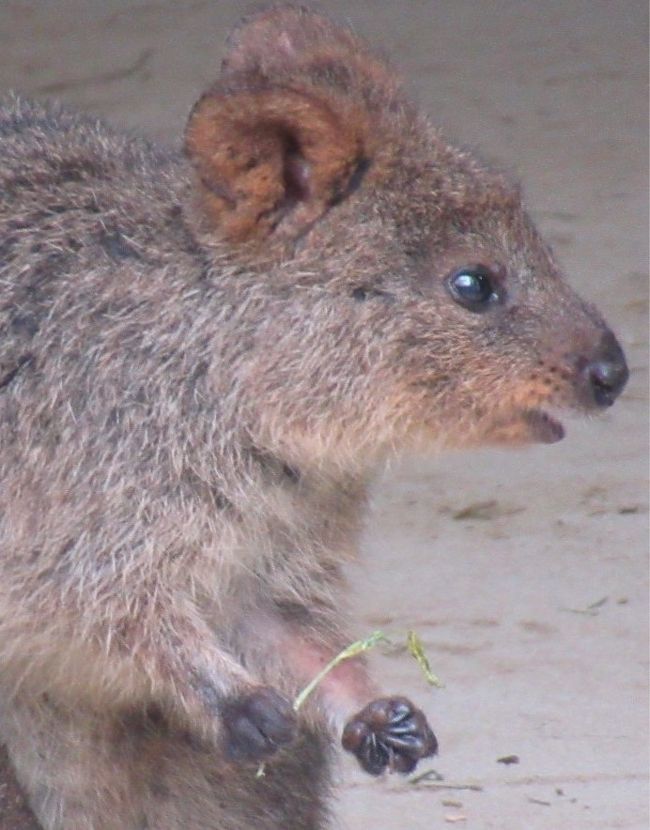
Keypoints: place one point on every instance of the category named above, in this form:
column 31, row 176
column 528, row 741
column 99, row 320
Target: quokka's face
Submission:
column 469, row 337
column 408, row 296
column 480, row 336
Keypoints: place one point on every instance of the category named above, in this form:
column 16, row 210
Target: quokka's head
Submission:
column 401, row 291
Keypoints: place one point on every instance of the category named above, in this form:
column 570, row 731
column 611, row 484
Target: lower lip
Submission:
column 545, row 429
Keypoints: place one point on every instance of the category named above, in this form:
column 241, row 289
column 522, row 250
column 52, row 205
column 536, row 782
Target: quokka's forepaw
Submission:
column 257, row 724
column 389, row 733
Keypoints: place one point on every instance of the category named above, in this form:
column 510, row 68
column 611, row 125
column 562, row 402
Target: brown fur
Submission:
column 203, row 363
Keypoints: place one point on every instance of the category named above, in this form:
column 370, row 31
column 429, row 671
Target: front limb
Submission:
column 207, row 689
column 385, row 733
column 381, row 732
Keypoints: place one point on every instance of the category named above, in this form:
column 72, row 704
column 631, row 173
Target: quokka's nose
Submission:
column 607, row 372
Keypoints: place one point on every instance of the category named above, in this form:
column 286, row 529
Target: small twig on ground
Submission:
column 431, row 779
column 591, row 610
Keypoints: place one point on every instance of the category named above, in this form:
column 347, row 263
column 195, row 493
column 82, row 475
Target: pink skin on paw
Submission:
column 343, row 690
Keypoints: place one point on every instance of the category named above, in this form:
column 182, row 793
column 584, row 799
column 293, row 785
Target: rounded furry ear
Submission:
column 272, row 159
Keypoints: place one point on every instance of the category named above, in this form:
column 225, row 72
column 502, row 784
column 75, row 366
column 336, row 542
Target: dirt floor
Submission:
column 525, row 572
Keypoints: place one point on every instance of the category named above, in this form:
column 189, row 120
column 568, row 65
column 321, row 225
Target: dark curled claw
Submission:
column 389, row 733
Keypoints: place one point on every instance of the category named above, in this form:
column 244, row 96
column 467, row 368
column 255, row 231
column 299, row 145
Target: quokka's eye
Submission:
column 474, row 287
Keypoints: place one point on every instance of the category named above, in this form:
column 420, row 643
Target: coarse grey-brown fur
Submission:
column 203, row 361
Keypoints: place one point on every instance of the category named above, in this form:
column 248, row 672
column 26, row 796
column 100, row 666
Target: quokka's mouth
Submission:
column 543, row 427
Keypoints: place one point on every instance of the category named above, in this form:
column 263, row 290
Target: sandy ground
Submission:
column 524, row 572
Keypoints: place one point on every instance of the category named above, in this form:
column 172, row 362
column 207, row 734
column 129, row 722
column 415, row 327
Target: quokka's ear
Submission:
column 271, row 159
column 291, row 128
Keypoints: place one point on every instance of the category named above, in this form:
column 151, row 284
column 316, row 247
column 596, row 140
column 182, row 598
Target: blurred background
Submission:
column 525, row 573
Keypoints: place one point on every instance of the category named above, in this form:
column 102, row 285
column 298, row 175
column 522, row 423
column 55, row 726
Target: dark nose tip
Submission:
column 607, row 373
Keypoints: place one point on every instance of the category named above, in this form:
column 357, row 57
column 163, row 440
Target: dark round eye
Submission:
column 473, row 287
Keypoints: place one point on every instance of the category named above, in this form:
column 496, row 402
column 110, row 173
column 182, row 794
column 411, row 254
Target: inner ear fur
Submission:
column 272, row 158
